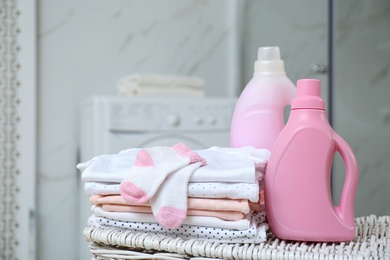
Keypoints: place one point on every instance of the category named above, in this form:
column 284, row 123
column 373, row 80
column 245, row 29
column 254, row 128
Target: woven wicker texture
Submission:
column 371, row 242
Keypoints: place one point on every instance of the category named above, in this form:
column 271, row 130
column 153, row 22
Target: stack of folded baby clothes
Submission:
column 213, row 194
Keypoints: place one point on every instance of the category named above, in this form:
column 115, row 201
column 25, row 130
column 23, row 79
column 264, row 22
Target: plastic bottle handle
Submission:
column 345, row 210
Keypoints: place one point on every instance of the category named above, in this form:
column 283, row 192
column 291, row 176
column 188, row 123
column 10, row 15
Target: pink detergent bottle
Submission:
column 298, row 197
column 259, row 113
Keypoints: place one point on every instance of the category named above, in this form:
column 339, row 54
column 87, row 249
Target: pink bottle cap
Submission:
column 308, row 95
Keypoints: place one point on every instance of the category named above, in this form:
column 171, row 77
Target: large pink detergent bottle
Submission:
column 258, row 117
column 298, row 196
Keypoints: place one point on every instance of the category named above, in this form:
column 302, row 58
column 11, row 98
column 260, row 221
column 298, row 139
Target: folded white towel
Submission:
column 243, row 165
column 152, row 91
column 161, row 80
column 160, row 85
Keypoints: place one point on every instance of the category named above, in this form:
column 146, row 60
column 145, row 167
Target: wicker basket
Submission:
column 371, row 242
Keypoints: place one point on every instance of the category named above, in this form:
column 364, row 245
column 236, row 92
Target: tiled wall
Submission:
column 362, row 97
column 299, row 28
column 84, row 47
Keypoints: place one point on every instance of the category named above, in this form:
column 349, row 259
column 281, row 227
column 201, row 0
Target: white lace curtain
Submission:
column 9, row 135
column 15, row 204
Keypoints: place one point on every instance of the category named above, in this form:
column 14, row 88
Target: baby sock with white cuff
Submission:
column 151, row 167
column 169, row 203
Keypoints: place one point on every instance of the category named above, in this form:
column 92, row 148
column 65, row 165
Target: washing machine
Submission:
column 111, row 124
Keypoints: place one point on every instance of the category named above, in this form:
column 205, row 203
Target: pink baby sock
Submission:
column 169, row 204
column 151, row 167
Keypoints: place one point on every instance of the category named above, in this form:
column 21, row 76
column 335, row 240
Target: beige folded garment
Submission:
column 171, row 91
column 240, row 205
column 161, row 80
column 160, row 84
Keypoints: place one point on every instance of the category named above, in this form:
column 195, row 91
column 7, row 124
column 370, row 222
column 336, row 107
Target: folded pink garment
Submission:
column 226, row 215
column 259, row 205
column 240, row 205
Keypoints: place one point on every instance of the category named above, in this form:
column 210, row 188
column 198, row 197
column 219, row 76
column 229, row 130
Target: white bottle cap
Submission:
column 268, row 60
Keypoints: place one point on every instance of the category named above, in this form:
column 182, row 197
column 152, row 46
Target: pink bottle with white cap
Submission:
column 297, row 181
column 258, row 116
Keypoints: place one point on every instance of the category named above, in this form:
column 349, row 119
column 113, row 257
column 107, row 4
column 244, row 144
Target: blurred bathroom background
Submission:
column 70, row 50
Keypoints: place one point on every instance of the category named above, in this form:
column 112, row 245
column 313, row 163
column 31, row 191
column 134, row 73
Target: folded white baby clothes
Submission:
column 223, row 164
column 255, row 233
column 190, row 220
column 108, row 167
column 249, row 191
column 160, row 85
column 259, row 156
